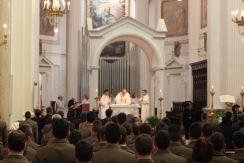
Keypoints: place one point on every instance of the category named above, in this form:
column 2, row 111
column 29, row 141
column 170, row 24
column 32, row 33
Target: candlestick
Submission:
column 212, row 93
column 48, row 4
column 5, row 29
column 4, row 41
column 161, row 107
column 68, row 5
column 242, row 95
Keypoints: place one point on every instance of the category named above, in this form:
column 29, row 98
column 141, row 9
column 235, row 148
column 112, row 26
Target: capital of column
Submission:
column 93, row 67
column 158, row 68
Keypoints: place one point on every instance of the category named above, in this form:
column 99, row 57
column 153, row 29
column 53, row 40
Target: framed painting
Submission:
column 46, row 24
column 175, row 14
column 104, row 12
column 204, row 13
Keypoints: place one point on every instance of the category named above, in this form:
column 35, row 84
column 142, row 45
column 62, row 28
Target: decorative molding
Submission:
column 44, row 62
column 173, row 64
column 99, row 32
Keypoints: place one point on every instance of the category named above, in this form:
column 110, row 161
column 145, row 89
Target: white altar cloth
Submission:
column 127, row 109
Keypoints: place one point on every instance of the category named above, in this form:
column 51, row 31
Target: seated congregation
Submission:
column 121, row 139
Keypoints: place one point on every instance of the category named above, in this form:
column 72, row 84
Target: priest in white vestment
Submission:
column 144, row 101
column 123, row 98
column 105, row 102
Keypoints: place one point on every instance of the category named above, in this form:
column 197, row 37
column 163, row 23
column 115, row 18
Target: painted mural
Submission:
column 175, row 15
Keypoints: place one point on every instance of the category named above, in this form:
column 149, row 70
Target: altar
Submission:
column 127, row 109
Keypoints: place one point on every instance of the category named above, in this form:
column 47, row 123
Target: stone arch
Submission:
column 146, row 44
column 131, row 30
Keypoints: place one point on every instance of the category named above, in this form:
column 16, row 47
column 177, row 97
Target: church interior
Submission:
column 174, row 64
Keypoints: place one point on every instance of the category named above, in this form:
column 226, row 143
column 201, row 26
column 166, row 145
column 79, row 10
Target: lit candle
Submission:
column 63, row 2
column 68, row 5
column 56, row 5
column 242, row 88
column 242, row 14
column 236, row 12
column 212, row 88
column 5, row 29
column 48, row 4
column 96, row 90
column 45, row 4
column 56, row 30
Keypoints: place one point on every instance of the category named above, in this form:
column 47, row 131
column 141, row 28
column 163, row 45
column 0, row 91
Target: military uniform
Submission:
column 30, row 154
column 99, row 146
column 126, row 148
column 15, row 159
column 32, row 144
column 180, row 150
column 166, row 156
column 191, row 144
column 92, row 140
column 239, row 155
column 34, row 126
column 219, row 157
column 112, row 153
column 145, row 161
column 85, row 130
column 56, row 151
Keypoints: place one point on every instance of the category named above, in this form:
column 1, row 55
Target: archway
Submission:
column 130, row 30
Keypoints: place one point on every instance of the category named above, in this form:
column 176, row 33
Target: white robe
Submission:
column 144, row 100
column 123, row 99
column 105, row 102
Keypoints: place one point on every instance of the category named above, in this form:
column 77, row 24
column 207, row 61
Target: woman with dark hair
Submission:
column 202, row 151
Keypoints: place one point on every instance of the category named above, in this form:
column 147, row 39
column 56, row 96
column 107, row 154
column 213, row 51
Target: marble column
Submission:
column 73, row 60
column 224, row 50
column 93, row 84
column 142, row 15
column 4, row 63
column 233, row 62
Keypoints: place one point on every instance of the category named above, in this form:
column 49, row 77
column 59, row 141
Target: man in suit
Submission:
column 16, row 147
column 83, row 152
column 33, row 124
column 144, row 146
column 176, row 147
column 218, row 142
column 112, row 152
column 163, row 154
column 57, row 150
column 195, row 132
